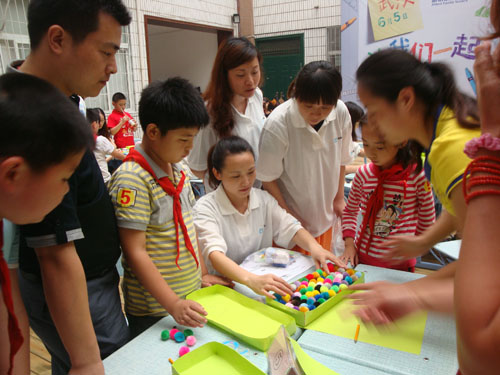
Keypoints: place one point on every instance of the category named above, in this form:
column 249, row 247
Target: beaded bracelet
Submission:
column 489, row 165
column 485, row 141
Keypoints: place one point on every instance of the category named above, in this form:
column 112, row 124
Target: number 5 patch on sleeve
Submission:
column 126, row 197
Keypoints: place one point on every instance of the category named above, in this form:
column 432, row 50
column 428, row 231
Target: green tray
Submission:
column 253, row 322
column 304, row 318
column 214, row 358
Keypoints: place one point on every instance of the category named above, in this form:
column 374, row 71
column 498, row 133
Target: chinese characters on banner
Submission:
column 390, row 18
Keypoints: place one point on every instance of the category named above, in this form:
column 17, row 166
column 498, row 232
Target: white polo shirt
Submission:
column 220, row 227
column 306, row 163
column 247, row 126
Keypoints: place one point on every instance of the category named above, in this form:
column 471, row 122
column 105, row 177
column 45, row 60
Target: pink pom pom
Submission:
column 183, row 350
column 173, row 331
column 191, row 340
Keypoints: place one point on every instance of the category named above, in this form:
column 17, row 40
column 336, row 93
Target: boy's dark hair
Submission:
column 44, row 134
column 172, row 104
column 411, row 153
column 117, row 96
column 387, row 72
column 223, row 148
column 79, row 18
column 318, row 81
column 93, row 115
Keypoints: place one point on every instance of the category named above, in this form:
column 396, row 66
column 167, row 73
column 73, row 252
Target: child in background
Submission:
column 40, row 148
column 153, row 202
column 120, row 123
column 356, row 112
column 237, row 219
column 393, row 197
column 103, row 146
column 304, row 147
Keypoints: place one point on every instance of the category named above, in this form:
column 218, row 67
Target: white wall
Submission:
column 179, row 52
column 308, row 17
column 215, row 13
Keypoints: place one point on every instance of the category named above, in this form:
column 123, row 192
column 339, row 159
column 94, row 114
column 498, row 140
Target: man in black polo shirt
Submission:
column 68, row 277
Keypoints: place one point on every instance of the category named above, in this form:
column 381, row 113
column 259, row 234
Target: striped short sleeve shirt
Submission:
column 141, row 204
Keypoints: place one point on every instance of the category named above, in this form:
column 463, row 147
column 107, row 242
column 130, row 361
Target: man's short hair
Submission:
column 78, row 17
column 172, row 104
column 45, row 133
column 117, row 96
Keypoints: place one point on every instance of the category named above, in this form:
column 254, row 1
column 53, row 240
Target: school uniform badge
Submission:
column 126, row 197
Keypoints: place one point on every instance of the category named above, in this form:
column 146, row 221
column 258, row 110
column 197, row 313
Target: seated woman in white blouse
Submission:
column 236, row 220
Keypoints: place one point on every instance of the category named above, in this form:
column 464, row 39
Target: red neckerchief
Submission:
column 397, row 174
column 15, row 336
column 175, row 193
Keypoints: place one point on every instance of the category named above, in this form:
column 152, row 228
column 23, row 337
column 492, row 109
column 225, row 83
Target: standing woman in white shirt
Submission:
column 233, row 99
column 237, row 219
column 304, row 148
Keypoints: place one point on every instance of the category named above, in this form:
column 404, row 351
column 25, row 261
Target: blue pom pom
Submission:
column 311, row 307
column 310, row 301
column 348, row 279
column 358, row 274
column 317, row 296
column 325, row 295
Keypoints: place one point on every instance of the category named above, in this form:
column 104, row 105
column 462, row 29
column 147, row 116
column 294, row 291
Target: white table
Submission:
column 448, row 250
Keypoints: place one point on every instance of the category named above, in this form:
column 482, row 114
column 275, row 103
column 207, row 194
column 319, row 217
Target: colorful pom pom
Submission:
column 191, row 340
column 164, row 335
column 172, row 333
column 179, row 337
column 183, row 350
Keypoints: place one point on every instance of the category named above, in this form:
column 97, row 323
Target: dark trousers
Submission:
column 105, row 309
column 139, row 324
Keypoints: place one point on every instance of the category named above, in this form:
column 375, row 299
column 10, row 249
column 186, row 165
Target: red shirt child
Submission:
column 121, row 124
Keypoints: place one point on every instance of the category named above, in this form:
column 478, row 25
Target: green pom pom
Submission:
column 188, row 332
column 164, row 335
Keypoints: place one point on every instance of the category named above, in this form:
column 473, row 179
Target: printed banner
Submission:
column 394, row 17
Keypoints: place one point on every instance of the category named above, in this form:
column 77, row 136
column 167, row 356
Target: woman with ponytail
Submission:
column 233, row 99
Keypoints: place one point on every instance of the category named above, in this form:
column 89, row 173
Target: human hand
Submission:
column 383, row 302
column 402, row 248
column 95, row 368
column 262, row 284
column 320, row 255
column 339, row 205
column 209, row 280
column 487, row 73
column 350, row 254
column 189, row 313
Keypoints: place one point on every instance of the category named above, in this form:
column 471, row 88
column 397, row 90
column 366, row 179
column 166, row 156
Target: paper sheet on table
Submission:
column 299, row 264
column 309, row 364
column 405, row 335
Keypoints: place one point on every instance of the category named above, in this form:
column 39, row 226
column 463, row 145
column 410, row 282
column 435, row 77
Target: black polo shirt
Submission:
column 85, row 216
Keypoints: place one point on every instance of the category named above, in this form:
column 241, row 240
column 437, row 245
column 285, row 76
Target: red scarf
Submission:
column 175, row 193
column 15, row 336
column 397, row 174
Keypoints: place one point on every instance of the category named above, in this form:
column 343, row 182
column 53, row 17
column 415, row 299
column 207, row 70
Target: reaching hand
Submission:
column 320, row 255
column 488, row 87
column 350, row 255
column 209, row 280
column 189, row 313
column 263, row 284
column 404, row 247
column 383, row 302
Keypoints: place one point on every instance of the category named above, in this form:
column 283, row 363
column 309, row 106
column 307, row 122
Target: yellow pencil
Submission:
column 171, row 361
column 357, row 333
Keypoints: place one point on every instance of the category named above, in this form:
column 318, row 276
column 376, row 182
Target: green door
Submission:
column 283, row 57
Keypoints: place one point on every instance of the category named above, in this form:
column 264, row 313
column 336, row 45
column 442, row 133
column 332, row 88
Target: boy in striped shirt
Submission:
column 153, row 202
